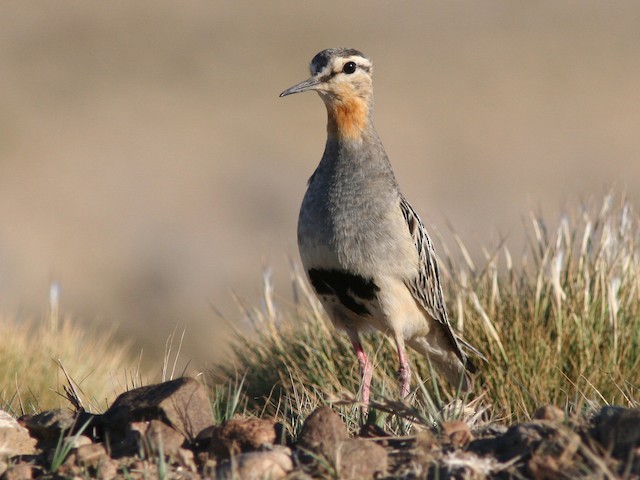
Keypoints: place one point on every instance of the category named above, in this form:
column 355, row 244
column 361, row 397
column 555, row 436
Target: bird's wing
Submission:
column 425, row 286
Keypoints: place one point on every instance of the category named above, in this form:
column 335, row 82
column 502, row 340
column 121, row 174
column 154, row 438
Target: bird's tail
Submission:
column 470, row 349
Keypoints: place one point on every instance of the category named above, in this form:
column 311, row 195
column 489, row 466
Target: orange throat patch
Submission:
column 348, row 118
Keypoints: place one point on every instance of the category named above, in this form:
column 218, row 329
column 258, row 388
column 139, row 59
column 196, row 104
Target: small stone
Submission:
column 164, row 438
column 107, row 470
column 209, row 467
column 456, row 432
column 243, row 435
column 155, row 437
column 550, row 413
column 14, row 438
column 617, row 429
column 322, row 432
column 299, row 475
column 360, row 458
column 91, row 454
column 547, row 467
column 50, row 424
column 273, row 464
column 20, row 471
column 425, row 440
column 424, row 449
column 186, row 458
column 182, row 403
column 70, row 461
column 78, row 441
column 547, row 448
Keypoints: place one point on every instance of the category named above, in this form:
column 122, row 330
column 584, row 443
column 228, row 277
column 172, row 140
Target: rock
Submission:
column 324, row 435
column 424, row 450
column 107, row 470
column 548, row 467
column 272, row 464
column 322, row 432
column 91, row 454
column 299, row 475
column 359, row 458
column 20, row 471
column 550, row 413
column 14, row 438
column 186, row 458
column 543, row 449
column 617, row 429
column 50, row 424
column 78, row 441
column 243, row 435
column 456, row 433
column 181, row 403
column 156, row 437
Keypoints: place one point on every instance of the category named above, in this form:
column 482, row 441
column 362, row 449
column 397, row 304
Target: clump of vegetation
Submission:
column 35, row 357
column 559, row 325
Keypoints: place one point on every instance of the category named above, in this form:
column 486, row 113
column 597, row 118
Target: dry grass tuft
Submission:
column 33, row 365
column 560, row 325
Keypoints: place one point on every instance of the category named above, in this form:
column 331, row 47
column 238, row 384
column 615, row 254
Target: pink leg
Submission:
column 365, row 366
column 404, row 371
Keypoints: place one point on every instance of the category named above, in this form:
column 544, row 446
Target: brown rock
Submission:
column 156, row 437
column 322, row 432
column 547, row 467
column 550, row 413
column 456, row 433
column 91, row 454
column 14, row 438
column 325, row 435
column 359, row 458
column 78, row 441
column 425, row 448
column 273, row 464
column 50, row 424
column 532, row 439
column 548, row 449
column 186, row 458
column 243, row 435
column 107, row 470
column 20, row 471
column 68, row 462
column 617, row 429
column 299, row 475
column 181, row 403
column 425, row 440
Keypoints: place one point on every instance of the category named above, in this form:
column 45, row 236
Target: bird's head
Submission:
column 343, row 79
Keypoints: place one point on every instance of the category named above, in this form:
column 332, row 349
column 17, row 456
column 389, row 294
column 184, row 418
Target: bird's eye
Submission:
column 349, row 67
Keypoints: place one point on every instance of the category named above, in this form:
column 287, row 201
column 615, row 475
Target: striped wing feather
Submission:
column 425, row 286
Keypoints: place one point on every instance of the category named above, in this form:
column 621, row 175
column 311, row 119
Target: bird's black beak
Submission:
column 311, row 83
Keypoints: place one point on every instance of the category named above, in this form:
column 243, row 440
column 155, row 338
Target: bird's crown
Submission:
column 334, row 60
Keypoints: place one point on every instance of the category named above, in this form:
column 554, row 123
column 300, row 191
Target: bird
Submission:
column 365, row 251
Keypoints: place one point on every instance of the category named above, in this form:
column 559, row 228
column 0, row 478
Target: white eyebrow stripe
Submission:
column 338, row 63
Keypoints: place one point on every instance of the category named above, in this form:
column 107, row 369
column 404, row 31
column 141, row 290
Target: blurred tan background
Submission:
column 149, row 167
